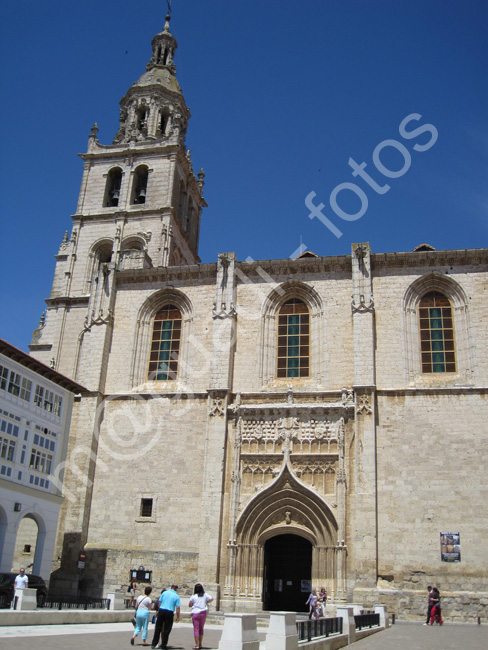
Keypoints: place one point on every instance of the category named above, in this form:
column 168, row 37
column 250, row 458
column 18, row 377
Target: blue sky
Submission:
column 282, row 95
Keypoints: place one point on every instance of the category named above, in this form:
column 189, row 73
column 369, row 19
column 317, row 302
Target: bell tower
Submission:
column 139, row 207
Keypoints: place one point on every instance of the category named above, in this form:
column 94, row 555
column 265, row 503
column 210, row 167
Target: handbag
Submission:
column 133, row 621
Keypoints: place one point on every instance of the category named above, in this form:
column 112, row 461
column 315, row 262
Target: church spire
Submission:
column 154, row 107
column 163, row 48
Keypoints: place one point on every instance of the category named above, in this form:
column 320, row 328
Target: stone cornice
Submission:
column 112, row 214
column 66, row 301
column 298, row 266
column 433, row 390
column 148, row 394
column 320, row 398
column 471, row 256
column 193, row 272
column 290, row 409
column 126, row 150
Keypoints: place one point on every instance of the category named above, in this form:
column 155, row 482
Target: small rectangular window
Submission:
column 146, row 507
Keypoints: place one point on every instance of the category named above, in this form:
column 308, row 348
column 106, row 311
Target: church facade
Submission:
column 261, row 427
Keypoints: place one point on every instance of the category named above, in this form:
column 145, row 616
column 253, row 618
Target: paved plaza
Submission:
column 113, row 636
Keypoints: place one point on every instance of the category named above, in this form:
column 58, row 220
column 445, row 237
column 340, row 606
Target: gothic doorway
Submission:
column 287, row 566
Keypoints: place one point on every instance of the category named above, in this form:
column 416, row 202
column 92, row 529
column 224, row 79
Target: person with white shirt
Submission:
column 199, row 608
column 21, row 581
column 144, row 604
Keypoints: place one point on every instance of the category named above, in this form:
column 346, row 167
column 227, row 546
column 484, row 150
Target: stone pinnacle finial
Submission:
column 167, row 17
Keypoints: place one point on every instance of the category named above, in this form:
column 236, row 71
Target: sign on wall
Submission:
column 450, row 547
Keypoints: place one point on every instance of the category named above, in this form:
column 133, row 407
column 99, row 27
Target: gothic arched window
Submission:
column 139, row 187
column 141, row 119
column 163, row 121
column 165, row 345
column 293, row 339
column 436, row 333
column 112, row 188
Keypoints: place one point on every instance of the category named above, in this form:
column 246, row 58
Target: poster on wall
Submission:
column 450, row 547
column 306, row 586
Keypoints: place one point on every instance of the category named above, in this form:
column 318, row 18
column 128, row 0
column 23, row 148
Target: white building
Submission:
column 36, row 403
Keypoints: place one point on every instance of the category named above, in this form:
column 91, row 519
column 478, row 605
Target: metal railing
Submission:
column 77, row 603
column 308, row 630
column 366, row 620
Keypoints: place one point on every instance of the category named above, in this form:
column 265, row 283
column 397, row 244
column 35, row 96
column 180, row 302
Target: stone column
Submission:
column 382, row 611
column 282, row 631
column 221, row 367
column 239, row 633
column 348, row 624
column 26, row 599
column 363, row 543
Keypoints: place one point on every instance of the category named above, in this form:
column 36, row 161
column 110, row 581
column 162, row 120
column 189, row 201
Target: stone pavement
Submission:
column 103, row 636
column 114, row 636
column 415, row 636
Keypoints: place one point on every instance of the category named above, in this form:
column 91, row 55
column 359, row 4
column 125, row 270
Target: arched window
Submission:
column 293, row 339
column 165, row 345
column 163, row 122
column 139, row 186
column 112, row 188
column 141, row 119
column 436, row 333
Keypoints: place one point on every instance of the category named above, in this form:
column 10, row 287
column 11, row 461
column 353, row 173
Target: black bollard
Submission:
column 393, row 619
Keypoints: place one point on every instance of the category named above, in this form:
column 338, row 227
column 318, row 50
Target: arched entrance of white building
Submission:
column 26, row 544
column 287, row 573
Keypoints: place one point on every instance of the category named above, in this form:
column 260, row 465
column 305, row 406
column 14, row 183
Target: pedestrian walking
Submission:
column 169, row 604
column 132, row 591
column 312, row 603
column 429, row 604
column 199, row 608
column 21, row 580
column 322, row 601
column 144, row 604
column 435, row 612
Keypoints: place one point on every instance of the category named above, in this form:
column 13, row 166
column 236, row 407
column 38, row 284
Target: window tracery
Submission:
column 165, row 345
column 436, row 333
column 292, row 334
column 454, row 330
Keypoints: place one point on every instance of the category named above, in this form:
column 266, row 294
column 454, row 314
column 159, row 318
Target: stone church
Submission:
column 260, row 427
